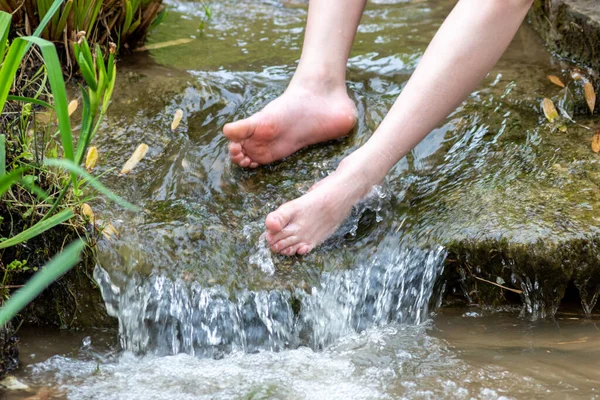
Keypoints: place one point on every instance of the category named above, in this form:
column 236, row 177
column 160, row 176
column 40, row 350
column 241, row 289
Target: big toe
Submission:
column 278, row 219
column 240, row 130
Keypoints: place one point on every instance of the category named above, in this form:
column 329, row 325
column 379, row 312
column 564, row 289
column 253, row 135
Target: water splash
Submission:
column 163, row 316
column 262, row 258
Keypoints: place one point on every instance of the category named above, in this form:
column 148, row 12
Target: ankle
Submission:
column 317, row 79
column 364, row 168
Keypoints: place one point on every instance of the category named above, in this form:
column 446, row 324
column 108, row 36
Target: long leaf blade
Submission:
column 38, row 228
column 73, row 168
column 57, row 85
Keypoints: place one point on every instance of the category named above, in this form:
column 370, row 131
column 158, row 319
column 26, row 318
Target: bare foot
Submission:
column 302, row 224
column 300, row 117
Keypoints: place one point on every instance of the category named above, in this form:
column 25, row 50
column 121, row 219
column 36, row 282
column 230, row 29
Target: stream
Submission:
column 205, row 311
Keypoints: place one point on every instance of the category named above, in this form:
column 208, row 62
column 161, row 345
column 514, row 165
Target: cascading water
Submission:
column 164, row 316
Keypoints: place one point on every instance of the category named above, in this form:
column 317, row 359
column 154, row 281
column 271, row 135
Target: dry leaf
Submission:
column 590, row 95
column 72, row 107
column 110, row 232
column 176, row 119
column 86, row 211
column 596, row 142
column 169, row 43
column 135, row 158
column 556, row 80
column 91, row 158
column 549, row 109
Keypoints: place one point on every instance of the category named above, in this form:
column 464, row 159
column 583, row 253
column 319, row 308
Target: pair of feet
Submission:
column 298, row 118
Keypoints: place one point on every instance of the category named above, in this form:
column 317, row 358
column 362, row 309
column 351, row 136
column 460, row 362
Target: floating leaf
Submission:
column 169, row 43
column 72, row 107
column 86, row 211
column 556, row 80
column 176, row 119
column 590, row 96
column 110, row 232
column 596, row 142
column 135, row 158
column 91, row 158
column 549, row 109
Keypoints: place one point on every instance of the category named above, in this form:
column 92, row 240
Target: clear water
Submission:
column 205, row 312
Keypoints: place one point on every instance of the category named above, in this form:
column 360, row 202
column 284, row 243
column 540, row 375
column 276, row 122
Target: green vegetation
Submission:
column 41, row 193
column 124, row 22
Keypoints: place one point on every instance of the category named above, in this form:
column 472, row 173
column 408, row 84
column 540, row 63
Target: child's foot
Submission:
column 298, row 118
column 302, row 224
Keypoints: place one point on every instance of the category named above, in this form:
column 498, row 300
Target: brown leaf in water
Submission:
column 549, row 109
column 72, row 107
column 168, row 43
column 110, row 232
column 590, row 95
column 176, row 119
column 91, row 158
column 556, row 80
column 86, row 211
column 596, row 142
column 135, row 158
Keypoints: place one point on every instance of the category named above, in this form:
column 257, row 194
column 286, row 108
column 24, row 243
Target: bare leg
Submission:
column 315, row 107
column 464, row 50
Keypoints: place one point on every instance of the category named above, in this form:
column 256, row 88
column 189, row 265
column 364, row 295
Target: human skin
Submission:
column 463, row 51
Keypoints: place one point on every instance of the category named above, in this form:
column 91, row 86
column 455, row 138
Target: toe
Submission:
column 278, row 219
column 253, row 164
column 238, row 158
column 303, row 249
column 235, row 148
column 285, row 244
column 290, row 251
column 245, row 162
column 240, row 130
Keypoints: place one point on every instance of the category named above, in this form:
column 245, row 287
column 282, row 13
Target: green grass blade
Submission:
column 73, row 168
column 2, row 156
column 57, row 85
column 47, row 17
column 9, row 179
column 53, row 270
column 86, row 127
column 9, row 68
column 5, row 20
column 60, row 26
column 30, row 100
column 38, row 228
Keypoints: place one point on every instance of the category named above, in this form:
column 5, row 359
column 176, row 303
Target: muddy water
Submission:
column 205, row 311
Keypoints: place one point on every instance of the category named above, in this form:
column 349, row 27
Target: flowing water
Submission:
column 206, row 311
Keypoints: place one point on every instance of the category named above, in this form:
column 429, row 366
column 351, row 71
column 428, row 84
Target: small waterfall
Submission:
column 163, row 316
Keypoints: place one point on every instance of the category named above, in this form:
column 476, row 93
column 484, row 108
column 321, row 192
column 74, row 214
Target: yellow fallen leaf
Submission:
column 91, row 158
column 176, row 119
column 590, row 95
column 556, row 80
column 549, row 109
column 86, row 211
column 72, row 107
column 596, row 142
column 110, row 232
column 135, row 158
column 168, row 43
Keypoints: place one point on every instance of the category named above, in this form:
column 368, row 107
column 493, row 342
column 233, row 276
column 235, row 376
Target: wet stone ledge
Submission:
column 570, row 28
